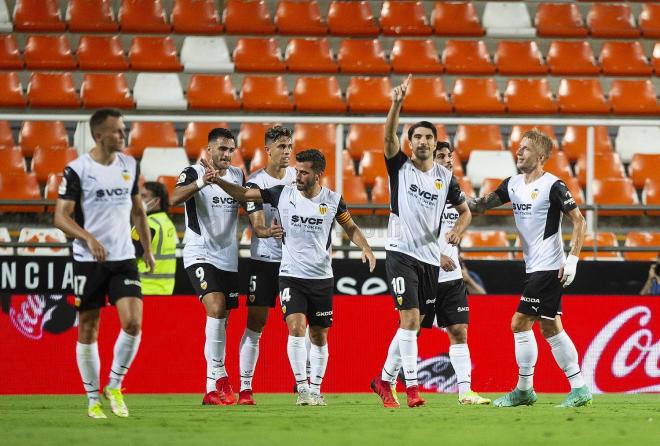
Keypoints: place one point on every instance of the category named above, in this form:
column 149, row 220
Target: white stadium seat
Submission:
column 377, row 237
column 490, row 164
column 503, row 19
column 206, row 55
column 631, row 140
column 5, row 237
column 82, row 138
column 42, row 235
column 5, row 19
column 157, row 91
column 163, row 161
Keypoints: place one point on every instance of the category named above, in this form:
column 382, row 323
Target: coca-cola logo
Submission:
column 623, row 356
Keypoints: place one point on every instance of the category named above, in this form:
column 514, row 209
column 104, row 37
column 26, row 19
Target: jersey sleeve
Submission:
column 561, row 196
column 136, row 190
column 272, row 195
column 70, row 187
column 394, row 164
column 502, row 191
column 455, row 196
column 189, row 175
column 342, row 215
column 252, row 206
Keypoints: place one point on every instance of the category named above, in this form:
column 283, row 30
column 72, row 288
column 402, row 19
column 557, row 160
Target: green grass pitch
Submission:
column 349, row 419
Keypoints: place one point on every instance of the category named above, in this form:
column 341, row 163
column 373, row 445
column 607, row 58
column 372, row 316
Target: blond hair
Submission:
column 540, row 141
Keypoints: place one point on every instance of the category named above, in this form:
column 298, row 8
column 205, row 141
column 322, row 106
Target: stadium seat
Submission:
column 10, row 56
column 362, row 56
column 487, row 186
column 503, row 19
column 637, row 139
column 5, row 20
column 208, row 92
column 195, row 137
column 5, row 237
column 644, row 166
column 11, row 90
column 47, row 160
column 82, row 137
column 611, row 20
column 558, row 165
column 476, row 95
column 641, row 239
column 11, row 160
column 518, row 130
column 404, row 18
column 143, row 16
column 259, row 159
column 265, row 93
column 427, row 95
column 169, row 181
column 6, row 136
column 38, row 15
column 315, row 136
column 466, row 186
column 35, row 134
column 51, row 190
column 456, row 19
column 20, row 186
column 42, row 235
column 529, row 96
column 52, row 90
column 476, row 137
column 559, row 20
column 519, row 57
column 624, row 59
column 351, row 18
column 310, row 56
column 354, row 193
column 48, row 52
column 475, row 239
column 258, row 54
column 153, row 54
column 467, row 57
column 488, row 164
column 649, row 20
column 348, row 168
column 104, row 53
column 196, row 17
column 94, row 16
column 380, row 194
column 158, row 91
column 251, row 137
column 634, row 97
column 369, row 94
column 655, row 58
column 571, row 57
column 206, row 55
column 600, row 240
column 318, row 95
column 651, row 195
column 99, row 90
column 150, row 134
column 606, row 165
column 615, row 191
column 365, row 137
column 574, row 143
column 295, row 17
column 247, row 17
column 582, row 96
column 415, row 56
column 372, row 165
column 158, row 161
column 442, row 136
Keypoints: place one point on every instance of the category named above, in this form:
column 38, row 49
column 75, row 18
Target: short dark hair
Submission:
column 442, row 145
column 221, row 132
column 99, row 117
column 159, row 191
column 277, row 132
column 313, row 155
column 424, row 124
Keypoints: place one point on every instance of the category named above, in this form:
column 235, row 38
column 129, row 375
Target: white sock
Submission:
column 408, row 349
column 318, row 358
column 566, row 356
column 126, row 348
column 249, row 353
column 393, row 361
column 459, row 356
column 308, row 347
column 526, row 354
column 214, row 351
column 89, row 365
column 295, row 348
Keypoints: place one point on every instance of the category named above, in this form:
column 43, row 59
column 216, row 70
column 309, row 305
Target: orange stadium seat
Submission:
column 365, row 137
column 259, row 160
column 649, row 20
column 20, row 186
column 634, row 97
column 611, row 20
column 196, row 17
column 477, row 95
column 315, row 136
column 372, row 165
column 101, row 53
column 52, row 90
column 624, row 59
column 318, row 95
column 582, row 96
column 100, row 90
column 456, row 19
column 467, row 57
column 655, row 58
column 362, row 56
column 295, row 17
column 310, row 56
column 475, row 239
column 457, row 166
column 354, row 193
column 404, row 18
column 606, row 165
column 143, row 16
column 252, row 137
column 651, row 195
column 369, row 94
column 427, row 95
column 519, row 57
column 615, row 191
column 11, row 160
column 209, row 92
column 529, row 96
column 91, row 16
column 415, row 56
column 257, row 54
column 571, row 57
column 35, row 134
column 48, row 160
column 247, row 17
column 517, row 132
column 642, row 239
column 10, row 57
column 51, row 191
column 600, row 240
column 487, row 186
column 48, row 52
column 6, row 136
column 153, row 54
column 170, row 183
column 477, row 137
column 644, row 166
column 559, row 20
column 347, row 164
column 265, row 93
column 380, row 194
column 466, row 185
column 558, row 165
column 150, row 134
column 38, row 15
column 351, row 18
column 11, row 90
column 574, row 143
column 195, row 137
column 442, row 136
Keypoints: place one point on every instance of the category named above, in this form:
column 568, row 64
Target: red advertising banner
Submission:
column 617, row 337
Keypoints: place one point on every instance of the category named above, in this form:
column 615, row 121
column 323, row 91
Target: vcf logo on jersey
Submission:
column 424, row 197
column 112, row 194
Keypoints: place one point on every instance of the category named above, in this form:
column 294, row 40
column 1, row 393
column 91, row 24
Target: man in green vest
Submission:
column 163, row 242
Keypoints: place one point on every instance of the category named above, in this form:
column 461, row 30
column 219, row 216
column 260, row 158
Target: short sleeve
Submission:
column 70, row 187
column 454, row 196
column 561, row 196
column 395, row 163
column 252, row 206
column 342, row 216
column 502, row 191
column 272, row 195
column 136, row 190
column 189, row 175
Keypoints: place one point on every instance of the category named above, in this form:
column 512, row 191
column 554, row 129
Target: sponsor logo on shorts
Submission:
column 233, row 295
column 462, row 309
column 324, row 313
column 530, row 300
column 534, row 308
column 132, row 282
column 430, row 301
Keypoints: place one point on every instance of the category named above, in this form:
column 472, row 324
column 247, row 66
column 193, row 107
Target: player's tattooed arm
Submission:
column 392, row 146
column 238, row 192
column 482, row 204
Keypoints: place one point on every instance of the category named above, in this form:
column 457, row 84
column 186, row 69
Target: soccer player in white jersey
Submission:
column 539, row 199
column 308, row 213
column 210, row 255
column 419, row 191
column 98, row 198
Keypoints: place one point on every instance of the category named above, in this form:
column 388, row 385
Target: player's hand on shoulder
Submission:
column 275, row 230
column 96, row 248
column 446, row 263
column 399, row 93
column 368, row 255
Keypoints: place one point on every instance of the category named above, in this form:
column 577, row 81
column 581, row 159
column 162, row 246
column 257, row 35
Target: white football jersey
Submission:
column 104, row 199
column 449, row 217
column 211, row 221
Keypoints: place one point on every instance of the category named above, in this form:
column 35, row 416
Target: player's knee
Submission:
column 132, row 327
column 256, row 322
column 458, row 333
column 549, row 330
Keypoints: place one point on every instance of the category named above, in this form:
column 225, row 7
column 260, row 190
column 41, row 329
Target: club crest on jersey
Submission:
column 438, row 183
column 125, row 175
column 323, row 208
column 535, row 193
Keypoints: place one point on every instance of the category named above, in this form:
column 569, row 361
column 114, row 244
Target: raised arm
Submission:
column 392, row 123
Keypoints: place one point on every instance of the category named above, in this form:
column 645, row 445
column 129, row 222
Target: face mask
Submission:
column 148, row 204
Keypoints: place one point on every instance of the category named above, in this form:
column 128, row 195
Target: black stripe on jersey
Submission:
column 502, row 191
column 191, row 213
column 553, row 219
column 394, row 165
column 327, row 245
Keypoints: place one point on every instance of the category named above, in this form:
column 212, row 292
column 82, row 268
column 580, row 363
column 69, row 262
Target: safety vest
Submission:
column 163, row 246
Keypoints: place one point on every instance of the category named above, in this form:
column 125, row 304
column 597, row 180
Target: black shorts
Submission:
column 264, row 283
column 93, row 281
column 312, row 297
column 412, row 283
column 206, row 278
column 542, row 294
column 451, row 305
